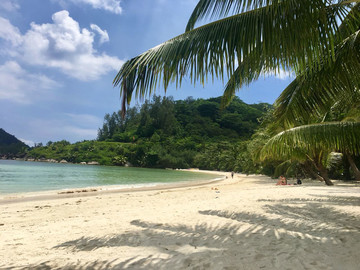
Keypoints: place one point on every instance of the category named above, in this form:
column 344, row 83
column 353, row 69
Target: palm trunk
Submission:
column 319, row 177
column 320, row 167
column 324, row 174
column 315, row 175
column 347, row 174
column 309, row 170
column 353, row 167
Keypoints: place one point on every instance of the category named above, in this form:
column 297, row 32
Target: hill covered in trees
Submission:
column 164, row 133
column 198, row 120
column 9, row 145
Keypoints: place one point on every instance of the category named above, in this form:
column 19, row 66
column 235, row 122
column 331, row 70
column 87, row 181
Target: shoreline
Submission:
column 110, row 189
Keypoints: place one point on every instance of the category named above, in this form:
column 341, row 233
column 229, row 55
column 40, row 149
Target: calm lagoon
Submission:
column 26, row 176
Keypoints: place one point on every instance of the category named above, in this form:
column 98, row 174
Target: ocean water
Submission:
column 24, row 176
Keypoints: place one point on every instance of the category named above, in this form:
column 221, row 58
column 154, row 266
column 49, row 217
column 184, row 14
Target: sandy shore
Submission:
column 243, row 223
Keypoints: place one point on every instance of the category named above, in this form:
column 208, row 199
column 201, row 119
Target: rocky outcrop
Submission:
column 93, row 163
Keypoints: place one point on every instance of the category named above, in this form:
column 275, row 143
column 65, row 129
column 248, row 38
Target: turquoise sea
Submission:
column 26, row 176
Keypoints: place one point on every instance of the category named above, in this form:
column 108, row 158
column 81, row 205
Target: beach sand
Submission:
column 243, row 223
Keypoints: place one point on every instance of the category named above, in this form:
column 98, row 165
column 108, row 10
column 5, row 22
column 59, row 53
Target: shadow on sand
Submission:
column 306, row 234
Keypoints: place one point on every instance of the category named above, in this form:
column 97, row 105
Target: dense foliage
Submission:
column 327, row 146
column 105, row 153
column 203, row 120
column 164, row 133
column 185, row 133
column 10, row 145
column 318, row 40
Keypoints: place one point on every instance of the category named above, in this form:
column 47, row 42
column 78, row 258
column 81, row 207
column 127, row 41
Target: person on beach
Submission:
column 282, row 181
column 232, row 174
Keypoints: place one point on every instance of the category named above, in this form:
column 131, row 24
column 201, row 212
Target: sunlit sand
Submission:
column 243, row 223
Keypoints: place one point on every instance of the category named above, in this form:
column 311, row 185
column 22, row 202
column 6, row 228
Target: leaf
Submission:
column 333, row 136
column 314, row 94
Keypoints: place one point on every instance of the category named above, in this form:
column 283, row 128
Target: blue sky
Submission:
column 58, row 59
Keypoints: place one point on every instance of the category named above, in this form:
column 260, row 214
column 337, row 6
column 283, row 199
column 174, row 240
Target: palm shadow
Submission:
column 328, row 200
column 307, row 234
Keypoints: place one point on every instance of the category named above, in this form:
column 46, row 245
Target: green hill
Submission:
column 10, row 145
column 164, row 133
column 201, row 120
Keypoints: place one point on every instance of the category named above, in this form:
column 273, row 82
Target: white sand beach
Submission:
column 243, row 223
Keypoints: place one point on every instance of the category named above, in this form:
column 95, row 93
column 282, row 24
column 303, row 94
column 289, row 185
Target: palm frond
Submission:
column 288, row 35
column 350, row 23
column 353, row 114
column 221, row 8
column 333, row 136
column 315, row 93
column 244, row 74
column 287, row 168
column 282, row 168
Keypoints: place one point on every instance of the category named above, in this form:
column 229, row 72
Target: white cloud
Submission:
column 9, row 5
column 108, row 5
column 9, row 32
column 62, row 45
column 280, row 74
column 18, row 85
column 27, row 142
column 104, row 37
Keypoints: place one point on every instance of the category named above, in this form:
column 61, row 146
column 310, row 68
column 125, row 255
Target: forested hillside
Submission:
column 185, row 133
column 197, row 120
column 10, row 145
column 164, row 133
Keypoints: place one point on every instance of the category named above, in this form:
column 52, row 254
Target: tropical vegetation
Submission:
column 311, row 131
column 10, row 146
column 164, row 133
column 318, row 40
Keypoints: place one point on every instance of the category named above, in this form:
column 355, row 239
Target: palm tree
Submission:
column 313, row 95
column 251, row 38
column 335, row 84
column 316, row 39
column 316, row 141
